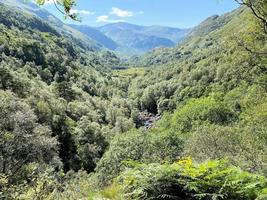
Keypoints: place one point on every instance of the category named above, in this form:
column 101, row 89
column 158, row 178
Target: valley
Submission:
column 125, row 112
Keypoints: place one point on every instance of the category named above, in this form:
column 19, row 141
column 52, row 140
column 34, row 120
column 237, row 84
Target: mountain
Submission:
column 96, row 35
column 121, row 37
column 212, row 23
column 143, row 38
column 23, row 20
column 79, row 38
column 193, row 41
column 173, row 34
column 33, row 9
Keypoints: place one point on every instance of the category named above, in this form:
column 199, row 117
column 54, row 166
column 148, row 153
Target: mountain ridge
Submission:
column 143, row 38
column 96, row 35
column 150, row 30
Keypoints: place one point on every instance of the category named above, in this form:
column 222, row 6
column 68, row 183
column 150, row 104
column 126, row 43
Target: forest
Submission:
column 187, row 122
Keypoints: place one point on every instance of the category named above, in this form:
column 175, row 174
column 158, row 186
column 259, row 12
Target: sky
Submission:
column 173, row 13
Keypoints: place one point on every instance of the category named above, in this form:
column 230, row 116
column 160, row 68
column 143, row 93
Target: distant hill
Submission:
column 174, row 34
column 143, row 38
column 96, row 35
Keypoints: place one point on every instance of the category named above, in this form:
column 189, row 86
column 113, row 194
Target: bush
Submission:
column 141, row 146
column 203, row 109
column 185, row 180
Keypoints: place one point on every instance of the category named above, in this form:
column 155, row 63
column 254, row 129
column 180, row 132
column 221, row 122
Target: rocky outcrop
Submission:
column 147, row 119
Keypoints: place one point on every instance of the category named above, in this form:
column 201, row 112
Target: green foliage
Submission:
column 63, row 109
column 67, row 5
column 55, row 101
column 176, row 76
column 23, row 140
column 141, row 146
column 184, row 180
column 242, row 145
column 204, row 109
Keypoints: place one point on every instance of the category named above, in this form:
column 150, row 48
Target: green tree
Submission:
column 139, row 146
column 258, row 7
column 90, row 142
column 202, row 109
column 64, row 6
column 22, row 139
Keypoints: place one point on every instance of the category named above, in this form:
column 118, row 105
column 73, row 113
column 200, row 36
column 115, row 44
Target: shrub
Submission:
column 185, row 180
column 203, row 109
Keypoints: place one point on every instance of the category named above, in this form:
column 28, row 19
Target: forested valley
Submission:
column 188, row 122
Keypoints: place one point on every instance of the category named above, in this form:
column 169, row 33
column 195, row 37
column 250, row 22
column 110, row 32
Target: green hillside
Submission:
column 32, row 9
column 187, row 122
column 204, row 63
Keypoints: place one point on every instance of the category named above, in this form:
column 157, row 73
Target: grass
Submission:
column 130, row 72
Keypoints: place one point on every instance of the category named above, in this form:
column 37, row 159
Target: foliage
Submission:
column 204, row 109
column 67, row 5
column 184, row 180
column 258, row 8
column 65, row 112
column 23, row 140
column 140, row 146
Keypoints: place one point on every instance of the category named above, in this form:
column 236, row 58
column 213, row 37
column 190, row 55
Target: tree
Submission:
column 22, row 139
column 259, row 9
column 91, row 144
column 201, row 110
column 66, row 5
column 146, row 147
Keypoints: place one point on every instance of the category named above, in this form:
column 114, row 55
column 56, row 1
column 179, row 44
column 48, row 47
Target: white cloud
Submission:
column 102, row 18
column 121, row 13
column 124, row 13
column 105, row 19
column 82, row 12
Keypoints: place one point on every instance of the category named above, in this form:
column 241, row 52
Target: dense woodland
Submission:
column 71, row 127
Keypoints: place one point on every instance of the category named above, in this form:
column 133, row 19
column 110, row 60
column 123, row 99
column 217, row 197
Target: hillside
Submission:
column 96, row 35
column 193, row 42
column 187, row 122
column 202, row 62
column 32, row 9
column 44, row 77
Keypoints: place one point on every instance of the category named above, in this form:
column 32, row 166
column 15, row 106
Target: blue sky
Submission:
column 175, row 13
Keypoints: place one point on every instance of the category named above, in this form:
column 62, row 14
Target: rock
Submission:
column 147, row 119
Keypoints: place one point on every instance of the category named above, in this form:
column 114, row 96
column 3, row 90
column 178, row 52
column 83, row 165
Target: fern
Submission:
column 213, row 180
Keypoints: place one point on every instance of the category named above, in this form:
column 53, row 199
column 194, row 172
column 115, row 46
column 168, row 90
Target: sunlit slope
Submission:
column 216, row 59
